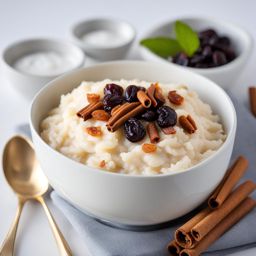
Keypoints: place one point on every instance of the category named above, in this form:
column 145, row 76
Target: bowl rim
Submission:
column 100, row 19
column 243, row 55
column 36, row 40
column 201, row 164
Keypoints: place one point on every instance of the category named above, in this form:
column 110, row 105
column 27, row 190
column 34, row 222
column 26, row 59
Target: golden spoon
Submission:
column 27, row 180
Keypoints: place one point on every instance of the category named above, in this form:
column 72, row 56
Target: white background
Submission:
column 22, row 19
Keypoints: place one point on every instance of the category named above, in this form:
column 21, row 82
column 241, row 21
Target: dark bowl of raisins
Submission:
column 222, row 53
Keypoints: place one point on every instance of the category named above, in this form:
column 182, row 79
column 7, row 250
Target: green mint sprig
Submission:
column 186, row 40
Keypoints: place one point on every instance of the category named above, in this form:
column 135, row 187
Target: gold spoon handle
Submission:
column 7, row 247
column 62, row 243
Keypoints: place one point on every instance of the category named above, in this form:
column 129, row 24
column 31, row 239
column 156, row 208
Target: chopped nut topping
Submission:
column 188, row 124
column 175, row 98
column 93, row 97
column 169, row 130
column 100, row 115
column 149, row 148
column 192, row 121
column 94, row 131
column 102, row 164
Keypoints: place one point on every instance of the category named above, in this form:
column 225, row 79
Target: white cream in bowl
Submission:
column 65, row 131
column 45, row 63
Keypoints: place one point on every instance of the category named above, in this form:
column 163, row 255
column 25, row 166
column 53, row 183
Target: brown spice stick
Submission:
column 113, row 127
column 234, row 175
column 173, row 248
column 153, row 133
column 113, row 111
column 121, row 111
column 144, row 99
column 202, row 228
column 86, row 112
column 183, row 236
column 238, row 213
column 158, row 94
column 151, row 93
column 252, row 97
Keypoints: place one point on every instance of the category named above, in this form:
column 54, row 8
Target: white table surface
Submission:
column 48, row 18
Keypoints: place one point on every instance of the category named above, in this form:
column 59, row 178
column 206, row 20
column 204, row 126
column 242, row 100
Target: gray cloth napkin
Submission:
column 103, row 240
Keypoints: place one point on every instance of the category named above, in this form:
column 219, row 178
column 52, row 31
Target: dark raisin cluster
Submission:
column 214, row 51
column 133, row 128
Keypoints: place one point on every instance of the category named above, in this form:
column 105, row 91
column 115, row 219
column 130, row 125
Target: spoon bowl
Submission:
column 24, row 175
column 22, row 170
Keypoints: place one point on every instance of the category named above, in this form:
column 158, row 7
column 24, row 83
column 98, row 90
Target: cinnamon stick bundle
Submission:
column 173, row 248
column 230, row 180
column 183, row 234
column 238, row 213
column 203, row 227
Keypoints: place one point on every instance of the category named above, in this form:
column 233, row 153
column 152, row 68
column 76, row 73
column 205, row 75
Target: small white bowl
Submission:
column 101, row 50
column 133, row 199
column 29, row 84
column 224, row 75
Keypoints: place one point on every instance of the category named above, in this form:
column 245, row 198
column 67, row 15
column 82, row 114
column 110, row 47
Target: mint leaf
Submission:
column 187, row 38
column 162, row 46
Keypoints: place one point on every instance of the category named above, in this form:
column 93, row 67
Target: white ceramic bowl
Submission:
column 120, row 198
column 27, row 84
column 224, row 75
column 123, row 30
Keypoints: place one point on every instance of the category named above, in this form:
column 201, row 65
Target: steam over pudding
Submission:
column 133, row 127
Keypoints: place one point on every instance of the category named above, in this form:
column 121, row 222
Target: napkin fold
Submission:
column 103, row 240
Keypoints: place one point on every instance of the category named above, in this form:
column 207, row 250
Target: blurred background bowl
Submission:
column 223, row 75
column 28, row 84
column 104, row 48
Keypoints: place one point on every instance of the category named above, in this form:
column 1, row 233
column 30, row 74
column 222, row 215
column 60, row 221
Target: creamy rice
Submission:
column 65, row 132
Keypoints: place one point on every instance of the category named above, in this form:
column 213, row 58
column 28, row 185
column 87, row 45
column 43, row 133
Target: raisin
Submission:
column 110, row 101
column 134, row 130
column 166, row 117
column 149, row 115
column 113, row 89
column 130, row 93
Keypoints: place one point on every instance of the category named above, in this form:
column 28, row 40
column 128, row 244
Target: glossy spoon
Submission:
column 27, row 180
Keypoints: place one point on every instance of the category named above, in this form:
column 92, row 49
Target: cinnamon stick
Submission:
column 173, row 248
column 203, row 227
column 86, row 112
column 238, row 213
column 252, row 97
column 143, row 99
column 151, row 93
column 158, row 94
column 230, row 180
column 121, row 111
column 134, row 112
column 153, row 133
column 183, row 234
